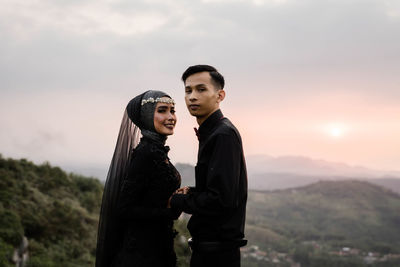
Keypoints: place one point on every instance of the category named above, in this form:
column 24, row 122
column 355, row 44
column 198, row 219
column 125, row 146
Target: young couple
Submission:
column 142, row 195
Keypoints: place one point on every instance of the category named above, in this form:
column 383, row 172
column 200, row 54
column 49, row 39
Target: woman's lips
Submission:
column 169, row 126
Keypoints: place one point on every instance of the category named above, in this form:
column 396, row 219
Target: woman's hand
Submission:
column 184, row 190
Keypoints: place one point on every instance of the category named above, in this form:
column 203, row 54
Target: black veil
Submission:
column 108, row 238
column 133, row 124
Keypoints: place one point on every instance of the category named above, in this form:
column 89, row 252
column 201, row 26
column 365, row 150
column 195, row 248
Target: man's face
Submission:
column 201, row 96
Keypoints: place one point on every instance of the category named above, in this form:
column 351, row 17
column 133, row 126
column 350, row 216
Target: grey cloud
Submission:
column 273, row 54
column 294, row 39
column 40, row 142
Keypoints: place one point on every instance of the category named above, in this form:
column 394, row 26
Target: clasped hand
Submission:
column 183, row 190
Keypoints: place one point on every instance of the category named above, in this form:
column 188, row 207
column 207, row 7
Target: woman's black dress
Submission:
column 146, row 224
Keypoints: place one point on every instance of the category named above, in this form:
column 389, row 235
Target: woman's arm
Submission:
column 143, row 191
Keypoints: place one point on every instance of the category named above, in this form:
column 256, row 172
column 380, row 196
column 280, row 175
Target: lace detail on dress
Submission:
column 145, row 192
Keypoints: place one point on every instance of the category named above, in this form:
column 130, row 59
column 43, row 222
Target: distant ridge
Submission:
column 332, row 213
column 264, row 165
column 305, row 166
column 276, row 181
column 283, row 180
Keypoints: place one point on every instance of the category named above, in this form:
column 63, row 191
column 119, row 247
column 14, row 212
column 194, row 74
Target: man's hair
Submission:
column 216, row 77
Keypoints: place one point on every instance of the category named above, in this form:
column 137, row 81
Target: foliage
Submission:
column 310, row 221
column 11, row 231
column 6, row 251
column 56, row 211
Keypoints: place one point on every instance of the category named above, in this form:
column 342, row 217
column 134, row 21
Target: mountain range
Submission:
column 306, row 166
column 328, row 223
column 263, row 165
column 270, row 173
column 55, row 213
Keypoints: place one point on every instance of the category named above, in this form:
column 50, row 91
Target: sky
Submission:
column 316, row 78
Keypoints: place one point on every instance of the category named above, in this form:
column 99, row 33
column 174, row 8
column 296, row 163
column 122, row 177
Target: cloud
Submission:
column 78, row 17
column 255, row 2
column 95, row 45
column 392, row 8
column 275, row 55
column 330, row 34
column 40, row 141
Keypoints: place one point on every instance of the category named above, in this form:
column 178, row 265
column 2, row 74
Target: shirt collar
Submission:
column 206, row 127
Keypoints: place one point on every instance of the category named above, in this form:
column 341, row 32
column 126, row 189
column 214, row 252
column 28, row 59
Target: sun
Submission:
column 336, row 130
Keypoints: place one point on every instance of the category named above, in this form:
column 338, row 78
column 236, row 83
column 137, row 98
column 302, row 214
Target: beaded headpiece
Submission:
column 158, row 100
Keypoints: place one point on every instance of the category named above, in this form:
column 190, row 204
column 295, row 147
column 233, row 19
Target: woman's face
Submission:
column 164, row 118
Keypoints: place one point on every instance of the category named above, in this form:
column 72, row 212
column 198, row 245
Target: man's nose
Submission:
column 193, row 96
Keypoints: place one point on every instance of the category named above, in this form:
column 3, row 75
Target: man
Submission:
column 218, row 201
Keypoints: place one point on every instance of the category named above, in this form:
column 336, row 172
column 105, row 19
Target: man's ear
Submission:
column 221, row 95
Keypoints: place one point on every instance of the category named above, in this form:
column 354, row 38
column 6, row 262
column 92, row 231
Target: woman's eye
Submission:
column 172, row 111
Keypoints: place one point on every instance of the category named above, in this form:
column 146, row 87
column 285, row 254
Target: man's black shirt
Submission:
column 218, row 201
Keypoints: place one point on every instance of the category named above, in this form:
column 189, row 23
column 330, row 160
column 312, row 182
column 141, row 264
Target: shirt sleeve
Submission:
column 222, row 181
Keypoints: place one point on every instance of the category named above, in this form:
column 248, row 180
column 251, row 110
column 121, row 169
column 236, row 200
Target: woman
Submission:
column 136, row 227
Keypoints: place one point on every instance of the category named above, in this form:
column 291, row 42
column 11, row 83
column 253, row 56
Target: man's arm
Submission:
column 223, row 173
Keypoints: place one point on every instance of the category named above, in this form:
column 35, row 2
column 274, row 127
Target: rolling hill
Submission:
column 57, row 213
column 334, row 213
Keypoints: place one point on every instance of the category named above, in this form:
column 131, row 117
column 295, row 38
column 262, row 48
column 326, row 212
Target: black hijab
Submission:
column 138, row 119
column 141, row 111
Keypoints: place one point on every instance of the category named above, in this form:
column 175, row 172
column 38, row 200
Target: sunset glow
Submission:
column 336, row 130
column 69, row 68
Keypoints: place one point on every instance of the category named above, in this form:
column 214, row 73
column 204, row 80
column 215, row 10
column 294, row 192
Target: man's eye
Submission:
column 172, row 111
